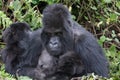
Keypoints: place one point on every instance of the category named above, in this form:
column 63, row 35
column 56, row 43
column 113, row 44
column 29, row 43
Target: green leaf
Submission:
column 117, row 40
column 102, row 38
column 113, row 17
column 17, row 5
column 24, row 78
column 113, row 34
column 118, row 4
column 112, row 48
column 108, row 39
column 94, row 8
column 107, row 1
column 86, row 17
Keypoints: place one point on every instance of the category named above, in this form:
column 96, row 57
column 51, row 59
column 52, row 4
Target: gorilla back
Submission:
column 71, row 36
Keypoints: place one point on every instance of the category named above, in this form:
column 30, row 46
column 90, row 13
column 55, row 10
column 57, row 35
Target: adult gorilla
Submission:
column 22, row 49
column 61, row 34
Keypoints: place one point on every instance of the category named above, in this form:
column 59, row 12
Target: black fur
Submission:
column 74, row 38
column 76, row 50
column 45, row 70
column 19, row 52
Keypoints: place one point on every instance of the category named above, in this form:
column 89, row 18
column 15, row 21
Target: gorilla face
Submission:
column 52, row 40
column 54, row 45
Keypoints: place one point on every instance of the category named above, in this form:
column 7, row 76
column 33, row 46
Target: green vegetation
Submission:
column 100, row 17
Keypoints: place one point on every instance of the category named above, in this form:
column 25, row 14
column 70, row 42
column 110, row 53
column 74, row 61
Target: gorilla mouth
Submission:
column 55, row 52
column 55, row 48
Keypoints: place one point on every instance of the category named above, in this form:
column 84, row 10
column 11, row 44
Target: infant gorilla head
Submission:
column 46, row 67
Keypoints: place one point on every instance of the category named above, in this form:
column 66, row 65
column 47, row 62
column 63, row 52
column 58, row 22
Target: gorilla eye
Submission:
column 58, row 33
column 48, row 34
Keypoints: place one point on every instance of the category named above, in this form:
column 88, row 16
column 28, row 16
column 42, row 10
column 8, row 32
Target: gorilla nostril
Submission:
column 41, row 66
column 55, row 45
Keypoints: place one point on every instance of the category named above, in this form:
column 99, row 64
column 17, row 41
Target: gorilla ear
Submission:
column 67, row 23
column 70, row 22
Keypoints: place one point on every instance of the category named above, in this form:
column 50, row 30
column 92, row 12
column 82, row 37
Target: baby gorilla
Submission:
column 47, row 66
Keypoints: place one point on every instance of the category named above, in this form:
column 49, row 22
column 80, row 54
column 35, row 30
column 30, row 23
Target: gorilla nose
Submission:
column 55, row 44
column 41, row 66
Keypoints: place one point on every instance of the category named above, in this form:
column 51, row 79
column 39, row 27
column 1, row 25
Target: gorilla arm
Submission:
column 70, row 64
column 91, row 53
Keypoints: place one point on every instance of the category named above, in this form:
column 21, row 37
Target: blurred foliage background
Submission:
column 100, row 17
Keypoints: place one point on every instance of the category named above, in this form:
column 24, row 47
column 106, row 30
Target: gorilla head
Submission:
column 56, row 31
column 16, row 32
